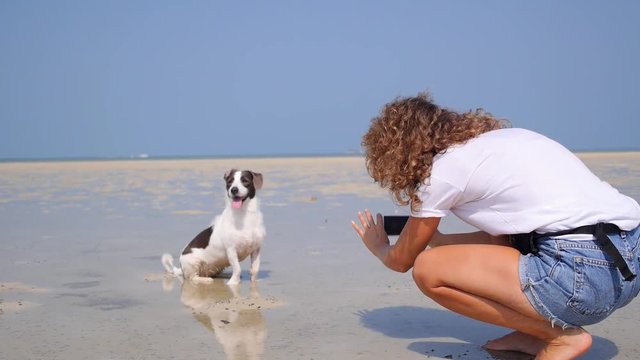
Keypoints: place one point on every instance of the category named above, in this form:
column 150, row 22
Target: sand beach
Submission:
column 81, row 278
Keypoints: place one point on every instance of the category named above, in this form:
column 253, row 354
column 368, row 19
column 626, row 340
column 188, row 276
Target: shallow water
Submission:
column 81, row 278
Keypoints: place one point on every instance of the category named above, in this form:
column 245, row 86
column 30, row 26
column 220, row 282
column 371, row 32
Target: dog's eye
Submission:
column 245, row 181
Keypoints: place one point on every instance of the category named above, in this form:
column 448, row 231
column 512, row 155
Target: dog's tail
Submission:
column 167, row 262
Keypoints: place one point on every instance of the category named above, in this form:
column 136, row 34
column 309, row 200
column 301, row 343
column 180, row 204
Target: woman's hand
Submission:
column 413, row 239
column 372, row 234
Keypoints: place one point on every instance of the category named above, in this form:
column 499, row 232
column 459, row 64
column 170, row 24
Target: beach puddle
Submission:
column 11, row 289
column 82, row 284
column 235, row 320
column 108, row 303
column 21, row 288
column 15, row 306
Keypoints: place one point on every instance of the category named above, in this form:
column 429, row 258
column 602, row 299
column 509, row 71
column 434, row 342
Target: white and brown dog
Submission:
column 233, row 235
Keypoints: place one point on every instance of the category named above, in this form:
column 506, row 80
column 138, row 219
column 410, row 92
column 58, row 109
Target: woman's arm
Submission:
column 415, row 237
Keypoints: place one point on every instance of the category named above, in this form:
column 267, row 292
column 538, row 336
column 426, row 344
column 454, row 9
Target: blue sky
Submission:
column 222, row 78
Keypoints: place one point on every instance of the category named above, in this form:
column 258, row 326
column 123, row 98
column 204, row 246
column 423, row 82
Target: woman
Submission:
column 562, row 272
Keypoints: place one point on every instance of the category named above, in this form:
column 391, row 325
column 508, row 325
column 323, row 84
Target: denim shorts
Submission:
column 573, row 283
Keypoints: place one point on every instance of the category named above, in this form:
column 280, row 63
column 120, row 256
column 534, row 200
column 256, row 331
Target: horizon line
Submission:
column 141, row 157
column 237, row 156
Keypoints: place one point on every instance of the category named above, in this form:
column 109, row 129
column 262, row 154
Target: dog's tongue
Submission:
column 236, row 204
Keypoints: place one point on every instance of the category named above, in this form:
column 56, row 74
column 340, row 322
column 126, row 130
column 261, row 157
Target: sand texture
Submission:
column 81, row 278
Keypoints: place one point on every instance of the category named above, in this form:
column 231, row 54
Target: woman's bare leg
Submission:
column 516, row 340
column 482, row 282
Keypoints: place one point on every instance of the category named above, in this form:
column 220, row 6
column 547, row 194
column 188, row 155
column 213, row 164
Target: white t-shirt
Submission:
column 512, row 181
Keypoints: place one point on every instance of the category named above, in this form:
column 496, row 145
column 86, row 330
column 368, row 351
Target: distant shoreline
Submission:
column 177, row 157
column 228, row 157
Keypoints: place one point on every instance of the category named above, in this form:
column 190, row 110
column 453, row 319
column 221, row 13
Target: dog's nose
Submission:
column 234, row 191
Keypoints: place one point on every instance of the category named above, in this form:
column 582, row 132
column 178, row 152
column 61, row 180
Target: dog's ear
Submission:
column 229, row 172
column 257, row 180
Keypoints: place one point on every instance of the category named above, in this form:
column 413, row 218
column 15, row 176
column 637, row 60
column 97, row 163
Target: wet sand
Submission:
column 81, row 278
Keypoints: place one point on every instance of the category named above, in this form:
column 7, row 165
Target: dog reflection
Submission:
column 237, row 322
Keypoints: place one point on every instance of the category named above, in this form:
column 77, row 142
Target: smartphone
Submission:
column 393, row 224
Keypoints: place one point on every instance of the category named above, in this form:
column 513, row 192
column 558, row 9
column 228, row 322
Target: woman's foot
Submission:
column 569, row 345
column 517, row 341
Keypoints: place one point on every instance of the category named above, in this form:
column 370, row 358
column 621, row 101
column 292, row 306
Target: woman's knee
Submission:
column 424, row 272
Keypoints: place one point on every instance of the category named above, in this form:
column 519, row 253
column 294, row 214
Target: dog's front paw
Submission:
column 202, row 280
column 233, row 281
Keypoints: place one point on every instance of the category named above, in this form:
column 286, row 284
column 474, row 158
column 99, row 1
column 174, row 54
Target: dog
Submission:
column 235, row 234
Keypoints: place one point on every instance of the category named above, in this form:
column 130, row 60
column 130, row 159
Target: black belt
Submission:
column 526, row 243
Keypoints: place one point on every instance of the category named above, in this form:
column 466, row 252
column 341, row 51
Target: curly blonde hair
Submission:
column 402, row 141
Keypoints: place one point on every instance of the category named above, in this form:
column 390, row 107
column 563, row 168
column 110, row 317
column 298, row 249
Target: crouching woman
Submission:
column 557, row 249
